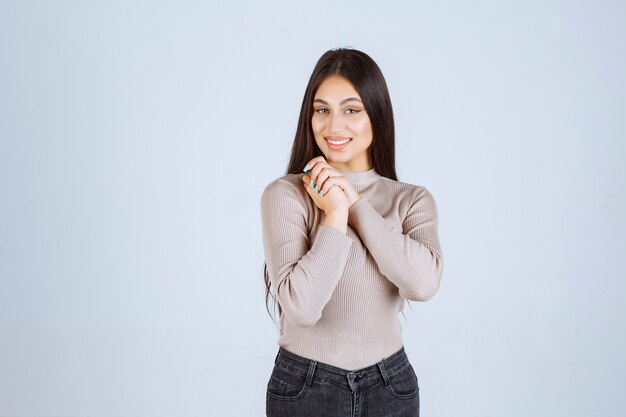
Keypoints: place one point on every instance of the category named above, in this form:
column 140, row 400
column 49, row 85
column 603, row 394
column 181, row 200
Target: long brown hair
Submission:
column 367, row 79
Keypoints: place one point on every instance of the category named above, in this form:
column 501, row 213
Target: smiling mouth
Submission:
column 337, row 143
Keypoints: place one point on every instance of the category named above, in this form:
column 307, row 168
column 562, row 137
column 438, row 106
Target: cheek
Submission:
column 317, row 125
column 362, row 126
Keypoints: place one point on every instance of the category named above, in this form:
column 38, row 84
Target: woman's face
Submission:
column 341, row 126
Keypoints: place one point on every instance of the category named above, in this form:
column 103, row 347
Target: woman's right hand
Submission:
column 332, row 194
column 334, row 201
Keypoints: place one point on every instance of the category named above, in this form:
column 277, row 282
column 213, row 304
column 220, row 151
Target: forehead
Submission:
column 336, row 88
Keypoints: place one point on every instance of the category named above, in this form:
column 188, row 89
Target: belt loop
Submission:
column 383, row 372
column 309, row 376
column 276, row 358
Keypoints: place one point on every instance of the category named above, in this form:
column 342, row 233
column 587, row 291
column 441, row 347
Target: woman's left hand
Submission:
column 325, row 177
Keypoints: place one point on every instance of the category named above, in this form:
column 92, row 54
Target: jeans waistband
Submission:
column 322, row 372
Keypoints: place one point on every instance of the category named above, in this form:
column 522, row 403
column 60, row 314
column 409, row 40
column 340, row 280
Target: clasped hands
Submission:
column 329, row 189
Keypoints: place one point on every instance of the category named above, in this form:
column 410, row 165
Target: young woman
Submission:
column 345, row 245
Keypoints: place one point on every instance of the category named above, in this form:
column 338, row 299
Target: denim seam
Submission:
column 399, row 370
column 296, row 370
column 402, row 396
column 307, row 385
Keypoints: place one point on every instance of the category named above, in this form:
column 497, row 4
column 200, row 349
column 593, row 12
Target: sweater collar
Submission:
column 361, row 177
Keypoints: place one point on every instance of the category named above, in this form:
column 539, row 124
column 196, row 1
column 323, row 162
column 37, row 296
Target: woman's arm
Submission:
column 303, row 278
column 411, row 258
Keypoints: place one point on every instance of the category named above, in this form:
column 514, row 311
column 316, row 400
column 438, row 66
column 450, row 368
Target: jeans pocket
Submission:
column 286, row 385
column 403, row 384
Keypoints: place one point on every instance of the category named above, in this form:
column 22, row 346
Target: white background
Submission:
column 136, row 139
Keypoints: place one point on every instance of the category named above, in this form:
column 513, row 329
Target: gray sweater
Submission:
column 341, row 294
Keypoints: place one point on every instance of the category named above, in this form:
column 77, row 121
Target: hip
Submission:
column 303, row 387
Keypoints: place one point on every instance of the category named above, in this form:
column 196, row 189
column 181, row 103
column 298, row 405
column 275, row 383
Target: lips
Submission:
column 337, row 142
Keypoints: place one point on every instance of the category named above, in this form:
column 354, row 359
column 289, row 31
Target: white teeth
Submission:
column 338, row 142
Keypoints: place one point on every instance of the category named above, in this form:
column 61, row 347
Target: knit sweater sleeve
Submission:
column 303, row 274
column 410, row 258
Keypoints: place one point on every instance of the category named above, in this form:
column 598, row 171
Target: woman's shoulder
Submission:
column 409, row 197
column 285, row 182
column 405, row 189
column 284, row 187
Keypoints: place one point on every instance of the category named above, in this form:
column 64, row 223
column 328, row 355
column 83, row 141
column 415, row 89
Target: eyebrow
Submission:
column 319, row 100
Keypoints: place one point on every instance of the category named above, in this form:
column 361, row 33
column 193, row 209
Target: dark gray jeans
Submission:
column 300, row 387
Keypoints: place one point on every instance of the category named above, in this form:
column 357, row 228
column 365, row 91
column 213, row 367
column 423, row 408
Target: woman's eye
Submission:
column 321, row 111
column 352, row 111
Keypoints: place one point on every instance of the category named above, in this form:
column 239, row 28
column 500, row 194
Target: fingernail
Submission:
column 322, row 193
column 312, row 184
column 317, row 188
column 306, row 167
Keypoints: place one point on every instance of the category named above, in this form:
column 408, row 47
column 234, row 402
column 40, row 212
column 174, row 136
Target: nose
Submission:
column 337, row 123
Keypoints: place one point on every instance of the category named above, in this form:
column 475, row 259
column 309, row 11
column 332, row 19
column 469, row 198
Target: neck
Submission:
column 344, row 168
column 360, row 177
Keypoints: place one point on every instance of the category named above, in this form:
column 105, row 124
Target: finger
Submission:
column 317, row 173
column 325, row 173
column 314, row 195
column 311, row 164
column 323, row 191
column 327, row 186
column 322, row 171
column 338, row 181
column 344, row 184
column 306, row 180
column 316, row 169
column 333, row 188
column 330, row 184
column 309, row 184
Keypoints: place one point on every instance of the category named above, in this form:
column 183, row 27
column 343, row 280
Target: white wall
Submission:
column 136, row 139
